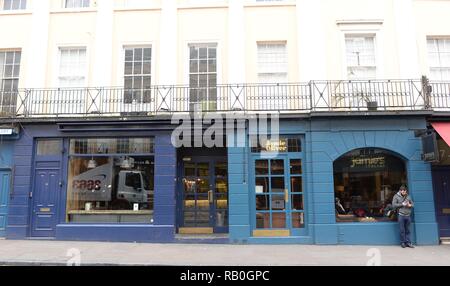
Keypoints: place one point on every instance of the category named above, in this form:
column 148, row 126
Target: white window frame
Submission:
column 2, row 3
column 120, row 78
column 65, row 2
column 57, row 69
column 218, row 67
column 187, row 58
column 3, row 77
column 285, row 43
column 363, row 28
column 152, row 80
column 436, row 38
column 363, row 36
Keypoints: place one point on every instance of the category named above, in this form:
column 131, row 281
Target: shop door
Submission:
column 47, row 187
column 279, row 197
column 441, row 180
column 204, row 198
column 5, row 182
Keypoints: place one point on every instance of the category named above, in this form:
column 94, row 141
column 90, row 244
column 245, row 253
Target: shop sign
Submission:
column 8, row 131
column 444, row 153
column 368, row 162
column 277, row 146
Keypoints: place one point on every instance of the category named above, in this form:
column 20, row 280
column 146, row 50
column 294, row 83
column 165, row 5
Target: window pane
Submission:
column 112, row 189
column 262, row 185
column 262, row 202
column 203, row 170
column 277, row 185
column 365, row 182
column 296, row 185
column 277, row 167
column 297, row 202
column 298, row 220
column 296, row 167
column 262, row 220
column 112, row 146
column 262, row 167
column 278, row 220
column 49, row 147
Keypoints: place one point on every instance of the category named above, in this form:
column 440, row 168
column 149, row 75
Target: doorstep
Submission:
column 445, row 240
column 202, row 238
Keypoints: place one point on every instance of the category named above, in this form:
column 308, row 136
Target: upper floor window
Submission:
column 13, row 4
column 72, row 67
column 138, row 74
column 9, row 80
column 272, row 69
column 203, row 75
column 76, row 3
column 272, row 63
column 439, row 58
column 361, row 59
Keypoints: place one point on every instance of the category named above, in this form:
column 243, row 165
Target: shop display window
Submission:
column 365, row 181
column 104, row 187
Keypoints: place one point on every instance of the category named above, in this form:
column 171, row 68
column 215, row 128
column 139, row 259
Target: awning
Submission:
column 443, row 128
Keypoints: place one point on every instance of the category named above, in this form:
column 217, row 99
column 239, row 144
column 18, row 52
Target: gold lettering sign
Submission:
column 375, row 162
column 45, row 210
column 276, row 146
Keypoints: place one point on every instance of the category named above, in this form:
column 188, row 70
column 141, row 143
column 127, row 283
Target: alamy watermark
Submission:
column 74, row 255
column 214, row 130
column 374, row 255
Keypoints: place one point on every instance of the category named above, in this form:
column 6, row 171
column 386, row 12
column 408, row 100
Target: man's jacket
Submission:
column 397, row 203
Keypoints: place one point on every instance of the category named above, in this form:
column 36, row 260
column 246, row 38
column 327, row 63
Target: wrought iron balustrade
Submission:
column 314, row 96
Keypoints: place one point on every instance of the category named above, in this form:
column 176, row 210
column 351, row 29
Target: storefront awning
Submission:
column 443, row 128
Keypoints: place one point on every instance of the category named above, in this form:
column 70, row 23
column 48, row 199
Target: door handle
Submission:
column 286, row 195
column 210, row 197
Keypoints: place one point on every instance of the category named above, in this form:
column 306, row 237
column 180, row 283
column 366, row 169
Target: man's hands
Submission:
column 407, row 204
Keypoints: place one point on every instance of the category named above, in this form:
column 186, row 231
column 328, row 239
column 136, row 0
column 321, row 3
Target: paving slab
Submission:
column 31, row 252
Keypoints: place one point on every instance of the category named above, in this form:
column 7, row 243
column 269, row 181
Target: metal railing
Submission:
column 315, row 96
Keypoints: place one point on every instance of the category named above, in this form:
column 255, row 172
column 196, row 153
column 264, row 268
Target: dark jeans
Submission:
column 405, row 223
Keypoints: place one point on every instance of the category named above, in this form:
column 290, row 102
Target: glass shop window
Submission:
column 365, row 182
column 110, row 186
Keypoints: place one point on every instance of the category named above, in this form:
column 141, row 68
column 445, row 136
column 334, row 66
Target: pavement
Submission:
column 38, row 252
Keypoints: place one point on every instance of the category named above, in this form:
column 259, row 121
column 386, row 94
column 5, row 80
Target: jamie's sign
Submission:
column 368, row 162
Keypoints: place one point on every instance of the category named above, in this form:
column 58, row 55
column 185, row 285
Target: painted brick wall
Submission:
column 239, row 215
column 18, row 216
column 165, row 181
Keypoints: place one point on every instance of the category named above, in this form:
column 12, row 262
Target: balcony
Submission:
column 296, row 98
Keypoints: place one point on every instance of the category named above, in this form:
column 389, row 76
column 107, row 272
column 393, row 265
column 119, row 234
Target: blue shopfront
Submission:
column 330, row 181
column 322, row 181
column 7, row 137
column 101, row 181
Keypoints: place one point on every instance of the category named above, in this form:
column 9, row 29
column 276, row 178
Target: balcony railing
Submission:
column 315, row 96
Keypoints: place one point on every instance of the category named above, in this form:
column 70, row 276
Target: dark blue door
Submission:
column 204, row 195
column 441, row 182
column 5, row 182
column 45, row 202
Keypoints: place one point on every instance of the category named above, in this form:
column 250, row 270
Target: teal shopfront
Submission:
column 6, row 168
column 330, row 181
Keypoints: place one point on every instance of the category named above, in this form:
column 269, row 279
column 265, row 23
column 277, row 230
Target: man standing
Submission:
column 403, row 203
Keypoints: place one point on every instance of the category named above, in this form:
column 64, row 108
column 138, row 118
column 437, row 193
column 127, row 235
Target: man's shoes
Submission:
column 403, row 245
column 410, row 245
